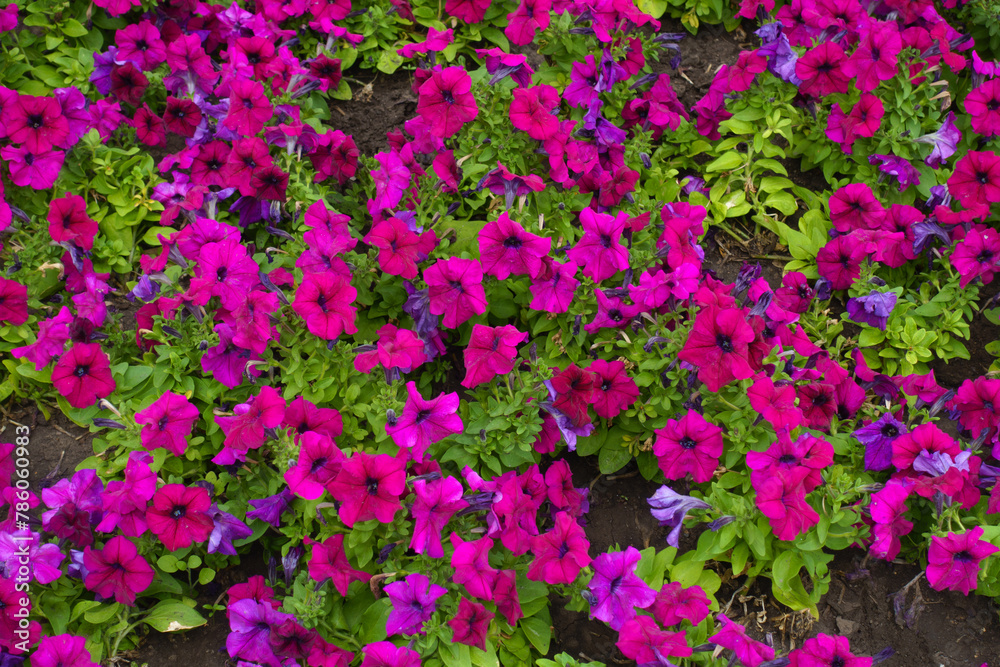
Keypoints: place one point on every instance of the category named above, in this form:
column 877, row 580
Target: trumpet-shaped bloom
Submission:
column 387, row 654
column 400, row 248
column 413, row 603
column 471, row 562
column 436, row 502
column 614, row 391
column 328, row 560
column 68, row 221
column 14, row 302
column 953, row 562
column 246, row 429
column 976, row 179
column 446, row 101
column 826, row 650
column 615, row 590
column 320, row 460
column 691, row 445
column 425, row 422
column 83, row 375
column 117, row 570
column 872, row 309
column 645, row 642
column 249, row 107
column 718, row 346
column 369, row 486
column 505, row 248
column 491, row 351
column 324, row 301
column 455, row 290
column 675, row 603
column 733, row 636
column 471, row 624
column 600, row 251
column 554, row 286
column 561, row 553
column 63, row 650
column 179, row 516
column 397, row 350
column 531, row 111
column 167, row 423
column 983, row 107
column 123, row 503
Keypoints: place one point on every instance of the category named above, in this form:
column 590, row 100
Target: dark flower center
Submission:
column 456, row 285
column 141, row 44
column 606, row 385
column 615, row 315
column 447, row 96
column 615, row 583
column 220, row 273
column 687, row 443
column 964, row 557
column 993, row 105
column 302, row 428
column 81, row 370
column 563, row 549
column 889, row 431
column 317, row 464
column 788, row 459
column 821, row 400
column 35, row 120
column 247, row 103
column 605, row 241
column 422, row 416
column 512, row 242
column 837, row 662
column 253, row 58
column 371, row 485
column 985, row 256
column 982, row 177
column 724, row 342
column 214, row 164
column 162, row 424
column 321, row 302
column 988, row 405
column 178, row 511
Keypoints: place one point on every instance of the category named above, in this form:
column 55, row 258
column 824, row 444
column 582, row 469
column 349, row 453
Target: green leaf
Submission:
column 613, row 456
column 172, row 616
column 206, row 575
column 741, row 552
column 389, row 61
column 726, row 162
column 782, row 201
column 73, row 28
column 101, row 614
column 538, row 630
column 871, row 336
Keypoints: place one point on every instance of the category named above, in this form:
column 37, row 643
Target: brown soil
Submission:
column 373, row 112
column 700, row 58
column 54, row 443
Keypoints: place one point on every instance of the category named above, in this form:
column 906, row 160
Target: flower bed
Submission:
column 370, row 361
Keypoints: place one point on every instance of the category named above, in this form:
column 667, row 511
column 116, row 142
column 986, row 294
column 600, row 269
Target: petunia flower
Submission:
column 614, row 391
column 781, row 497
column 506, row 248
column 500, row 64
column 446, row 102
column 616, row 592
column 436, row 502
column 318, row 463
column 400, row 248
column 76, row 504
column 425, row 422
column 718, row 346
column 675, row 603
column 733, row 636
column 37, row 123
column 22, row 548
column 561, row 553
column 877, row 437
column 645, row 642
column 271, row 509
column 470, row 624
column 670, row 508
column 368, row 486
column 471, row 565
column 600, row 251
column 413, row 603
column 552, row 290
column 691, row 445
column 246, row 428
column 224, row 269
column 888, row 507
column 38, row 171
column 872, row 309
column 324, row 301
column 387, row 654
column 250, row 625
column 68, row 221
column 228, row 363
column 117, row 570
column 953, row 562
column 62, row 650
column 976, row 179
column 226, row 528
column 823, row 650
column 179, row 516
column 491, row 351
column 167, row 423
column 249, row 107
column 455, row 290
column 328, row 560
column 123, row 502
column 944, row 141
column 531, row 110
column 14, row 302
column 83, row 375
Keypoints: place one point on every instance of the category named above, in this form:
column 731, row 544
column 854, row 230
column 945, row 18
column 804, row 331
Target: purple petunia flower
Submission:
column 670, row 508
column 892, row 165
column 877, row 437
column 413, row 603
column 226, row 529
column 944, row 140
column 615, row 590
column 873, row 309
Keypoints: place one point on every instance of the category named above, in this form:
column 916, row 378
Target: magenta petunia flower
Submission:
column 400, row 248
column 24, row 548
column 531, row 111
column 675, row 603
column 324, row 301
column 718, row 346
column 781, row 497
column 839, row 261
column 425, row 422
column 953, row 562
column 228, row 363
column 75, row 503
column 614, row 391
column 117, row 570
column 413, row 603
column 62, row 650
column 470, row 624
column 491, row 351
column 38, row 171
column 645, row 642
column 615, row 590
column 612, row 313
column 436, row 502
column 600, row 251
column 168, row 423
column 123, row 502
column 854, row 206
column 529, row 17
column 455, row 290
column 821, row 70
column 319, row 462
column 888, row 507
column 37, row 123
column 506, row 248
column 246, row 428
column 179, row 516
column 68, row 221
column 733, row 636
column 83, row 375
column 149, row 128
column 471, row 563
column 825, row 650
column 140, row 43
column 13, row 302
column 983, row 106
column 249, row 155
column 554, row 286
column 397, row 350
column 369, row 486
column 976, row 179
column 328, row 561
column 977, row 255
column 874, row 60
column 561, row 553
column 182, row 116
column 387, row 654
column 692, row 445
column 249, row 107
column 251, row 623
column 927, row 438
column 446, row 101
column 807, row 451
column 224, row 269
